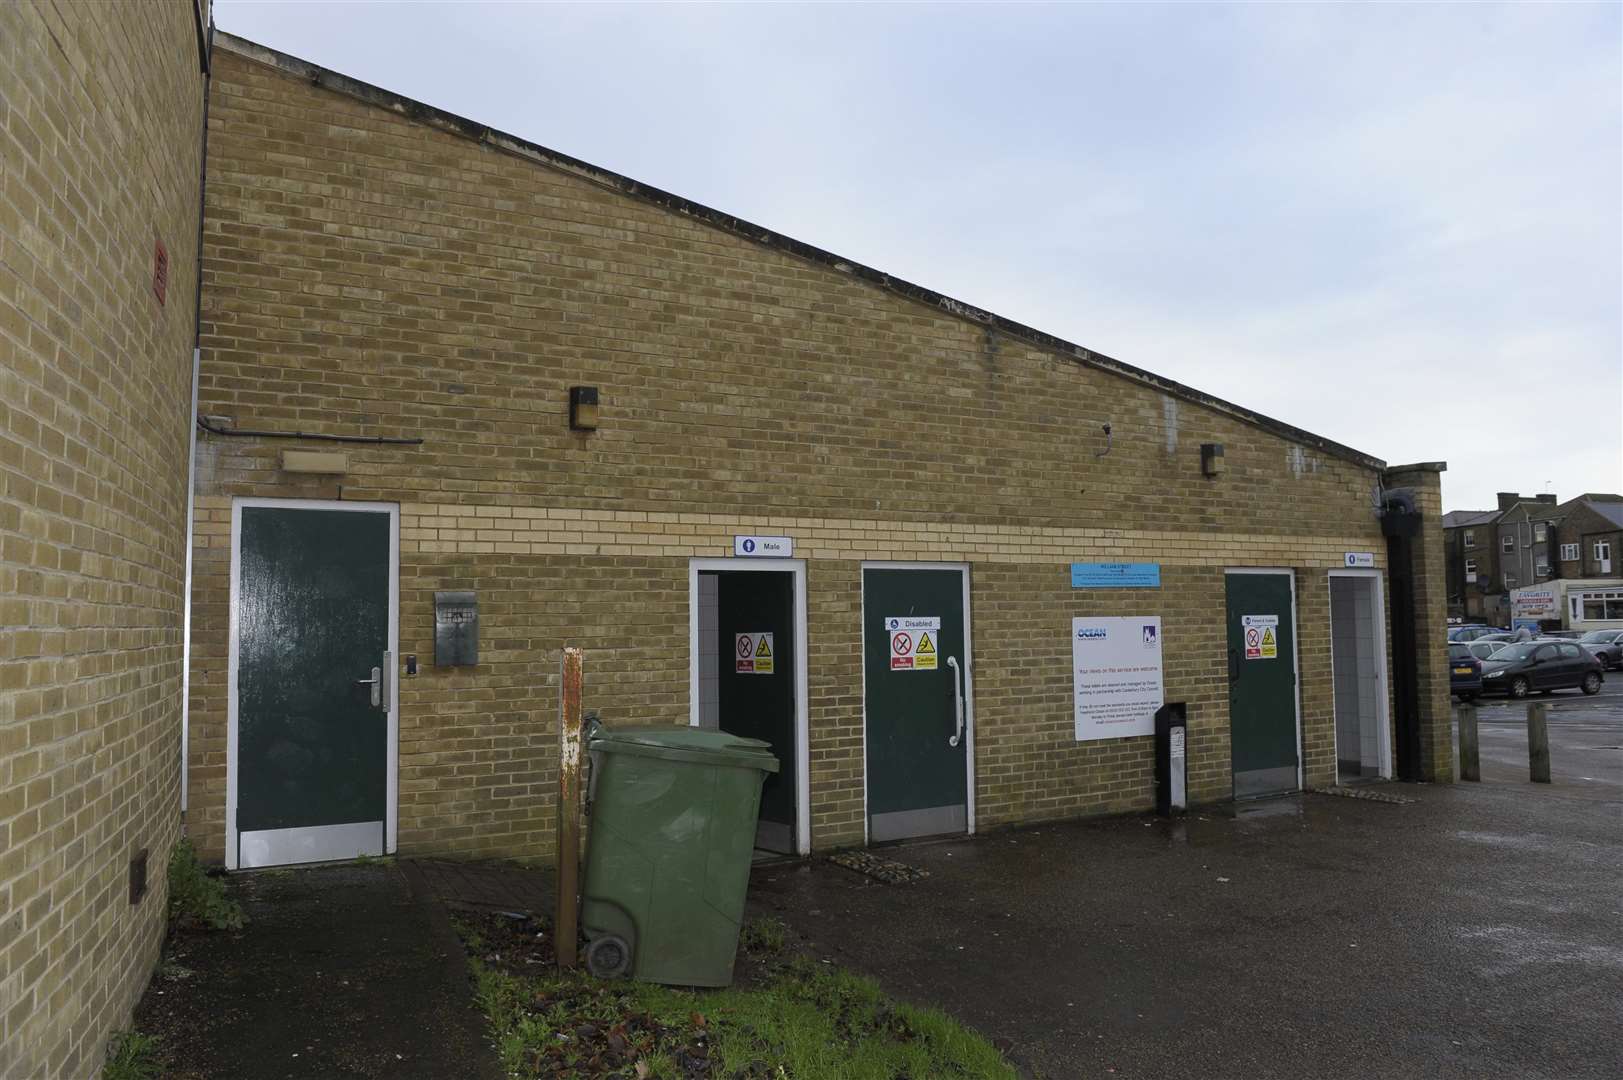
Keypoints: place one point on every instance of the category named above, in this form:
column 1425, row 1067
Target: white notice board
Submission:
column 1116, row 668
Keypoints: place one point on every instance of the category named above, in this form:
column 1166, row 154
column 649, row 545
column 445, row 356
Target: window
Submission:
column 1470, row 569
column 1570, row 652
column 1542, row 569
column 1510, row 581
column 1603, row 551
column 1507, row 543
column 1470, row 538
column 1599, row 606
column 1541, row 532
column 1569, row 552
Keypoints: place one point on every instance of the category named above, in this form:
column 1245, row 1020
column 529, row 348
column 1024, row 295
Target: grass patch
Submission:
column 791, row 1018
column 132, row 1056
column 195, row 898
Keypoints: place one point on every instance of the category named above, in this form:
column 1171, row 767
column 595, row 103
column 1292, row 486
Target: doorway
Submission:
column 312, row 713
column 1358, row 672
column 747, row 628
column 918, row 700
column 1264, row 716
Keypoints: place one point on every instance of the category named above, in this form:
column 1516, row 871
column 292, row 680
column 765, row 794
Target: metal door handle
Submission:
column 378, row 682
column 958, row 699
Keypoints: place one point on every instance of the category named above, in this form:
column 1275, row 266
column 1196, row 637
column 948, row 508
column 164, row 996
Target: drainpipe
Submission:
column 191, row 448
column 1400, row 524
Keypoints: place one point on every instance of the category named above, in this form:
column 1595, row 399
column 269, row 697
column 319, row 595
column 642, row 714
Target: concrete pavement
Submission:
column 1477, row 932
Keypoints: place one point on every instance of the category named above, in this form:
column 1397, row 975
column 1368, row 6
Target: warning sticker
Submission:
column 753, row 653
column 901, row 650
column 924, row 653
column 1261, row 636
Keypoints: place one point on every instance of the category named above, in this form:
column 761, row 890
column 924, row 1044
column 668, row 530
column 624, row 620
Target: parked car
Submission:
column 1607, row 645
column 1484, row 649
column 1507, row 635
column 1563, row 635
column 1469, row 632
column 1464, row 672
column 1543, row 666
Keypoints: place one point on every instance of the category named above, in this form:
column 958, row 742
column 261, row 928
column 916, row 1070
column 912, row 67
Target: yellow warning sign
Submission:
column 763, row 655
column 924, row 654
column 1270, row 644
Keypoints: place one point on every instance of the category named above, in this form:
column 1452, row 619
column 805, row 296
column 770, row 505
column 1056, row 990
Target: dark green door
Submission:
column 1262, row 684
column 312, row 623
column 755, row 691
column 914, row 678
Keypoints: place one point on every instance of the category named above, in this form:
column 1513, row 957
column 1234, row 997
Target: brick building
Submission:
column 448, row 376
column 100, row 152
column 1529, row 542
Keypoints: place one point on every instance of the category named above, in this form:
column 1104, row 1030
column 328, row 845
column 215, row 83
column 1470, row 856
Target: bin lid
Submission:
column 689, row 744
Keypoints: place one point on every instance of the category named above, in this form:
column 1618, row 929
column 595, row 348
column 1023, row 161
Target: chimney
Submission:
column 1550, row 499
column 1507, row 499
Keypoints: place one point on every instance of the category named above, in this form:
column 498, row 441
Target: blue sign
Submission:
column 1115, row 575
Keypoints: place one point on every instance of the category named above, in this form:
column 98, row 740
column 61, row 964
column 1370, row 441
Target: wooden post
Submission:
column 566, row 926
column 1538, row 743
column 1470, row 756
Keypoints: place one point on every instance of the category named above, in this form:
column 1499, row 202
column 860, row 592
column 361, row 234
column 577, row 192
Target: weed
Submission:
column 373, row 860
column 767, row 935
column 195, row 898
column 132, row 1056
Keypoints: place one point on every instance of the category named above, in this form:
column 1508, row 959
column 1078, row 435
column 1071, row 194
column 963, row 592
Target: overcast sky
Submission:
column 1397, row 226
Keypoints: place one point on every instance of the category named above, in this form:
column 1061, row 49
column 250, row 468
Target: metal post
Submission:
column 566, row 926
column 1538, row 743
column 1470, row 758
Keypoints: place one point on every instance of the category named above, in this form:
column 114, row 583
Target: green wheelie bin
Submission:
column 672, row 831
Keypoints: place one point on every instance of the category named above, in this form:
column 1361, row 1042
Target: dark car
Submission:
column 1469, row 632
column 1543, row 666
column 1464, row 672
column 1607, row 645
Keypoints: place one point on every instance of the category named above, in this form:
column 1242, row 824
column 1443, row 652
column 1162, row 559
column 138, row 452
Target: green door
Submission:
column 312, row 624
column 1262, row 684
column 914, row 688
column 755, row 690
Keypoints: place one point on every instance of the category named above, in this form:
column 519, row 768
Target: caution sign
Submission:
column 753, row 653
column 1261, row 636
column 914, row 641
column 924, row 653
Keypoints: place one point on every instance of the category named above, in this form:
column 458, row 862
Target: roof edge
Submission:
column 765, row 237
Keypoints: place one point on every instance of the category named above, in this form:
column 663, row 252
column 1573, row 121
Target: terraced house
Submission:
column 461, row 401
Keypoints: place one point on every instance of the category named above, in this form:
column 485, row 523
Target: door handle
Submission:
column 958, row 698
column 379, row 682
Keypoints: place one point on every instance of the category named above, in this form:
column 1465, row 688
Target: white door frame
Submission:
column 392, row 753
column 1383, row 708
column 797, row 567
column 969, row 685
column 1296, row 660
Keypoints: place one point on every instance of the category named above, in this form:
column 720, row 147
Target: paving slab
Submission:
column 342, row 973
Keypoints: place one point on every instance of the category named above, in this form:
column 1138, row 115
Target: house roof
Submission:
column 490, row 138
column 1455, row 518
column 1611, row 511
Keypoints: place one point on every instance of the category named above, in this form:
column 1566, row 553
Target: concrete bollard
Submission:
column 1470, row 758
column 1538, row 743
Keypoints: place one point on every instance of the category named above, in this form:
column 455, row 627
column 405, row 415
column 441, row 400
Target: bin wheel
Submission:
column 608, row 957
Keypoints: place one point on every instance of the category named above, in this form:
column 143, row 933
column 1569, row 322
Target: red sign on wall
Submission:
column 160, row 273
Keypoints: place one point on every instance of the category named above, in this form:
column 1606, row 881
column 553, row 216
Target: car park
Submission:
column 1541, row 666
column 1464, row 672
column 1607, row 645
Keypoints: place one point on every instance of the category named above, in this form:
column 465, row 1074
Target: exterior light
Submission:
column 583, row 408
column 1211, row 459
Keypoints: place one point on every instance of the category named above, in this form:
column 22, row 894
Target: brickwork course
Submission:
column 100, row 121
column 373, row 268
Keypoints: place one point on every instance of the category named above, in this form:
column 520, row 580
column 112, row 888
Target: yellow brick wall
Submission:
column 100, row 118
column 365, row 273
